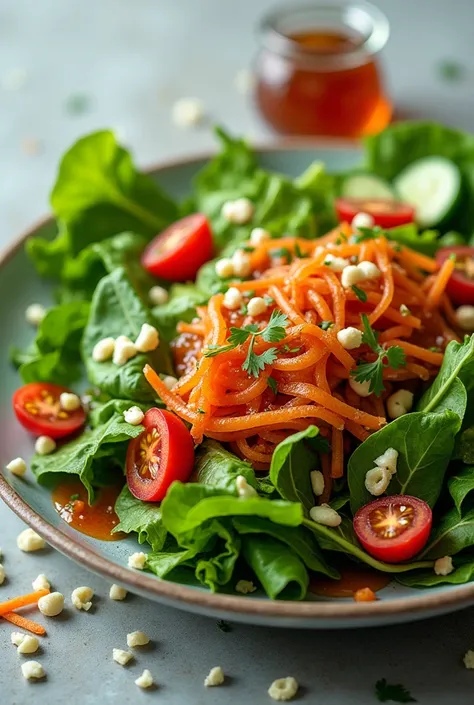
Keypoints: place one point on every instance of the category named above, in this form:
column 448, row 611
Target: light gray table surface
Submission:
column 133, row 59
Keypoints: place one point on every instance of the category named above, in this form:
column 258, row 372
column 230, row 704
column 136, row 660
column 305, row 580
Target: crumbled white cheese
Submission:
column 137, row 560
column 148, row 339
column 52, row 604
column 188, row 112
column 124, row 350
column 35, row 314
column 232, row 299
column 241, row 264
column 121, row 656
column 444, row 566
column 134, row 416
column 170, row 382
column 469, row 659
column 399, row 403
column 145, row 680
column 350, row 338
column 81, row 598
column 243, row 487
column 29, row 644
column 360, row 388
column 137, row 639
column 326, row 515
column 158, row 295
column 245, row 587
column 29, row 541
column 259, row 235
column 224, row 268
column 377, row 480
column 238, row 212
column 103, row 350
column 404, row 310
column 117, row 592
column 362, row 220
column 256, row 306
column 69, row 401
column 32, row 670
column 351, row 275
column 215, row 677
column 283, row 689
column 465, row 317
column 336, row 264
column 44, row 445
column 388, row 460
column 17, row 466
column 317, row 482
column 17, row 638
column 369, row 270
column 2, row 574
column 41, row 583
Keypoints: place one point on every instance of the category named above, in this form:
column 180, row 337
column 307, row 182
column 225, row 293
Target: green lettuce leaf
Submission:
column 292, row 462
column 451, row 535
column 144, row 518
column 219, row 468
column 279, row 569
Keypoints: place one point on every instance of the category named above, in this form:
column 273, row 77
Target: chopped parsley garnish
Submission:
column 268, row 300
column 201, row 411
column 273, row 384
column 360, row 293
column 286, row 348
column 395, row 693
column 243, row 310
column 223, row 625
column 342, row 238
column 364, row 234
column 325, row 325
column 73, row 497
column 272, row 333
column 434, row 348
column 450, row 70
column 247, row 248
column 282, row 252
column 372, row 372
column 249, row 294
column 299, row 253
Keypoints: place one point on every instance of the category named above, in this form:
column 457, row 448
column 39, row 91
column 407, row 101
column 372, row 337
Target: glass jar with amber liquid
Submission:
column 318, row 73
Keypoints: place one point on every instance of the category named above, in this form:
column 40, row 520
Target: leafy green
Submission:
column 424, row 442
column 392, row 692
column 219, row 468
column 116, row 310
column 462, row 573
column 77, row 457
column 448, row 390
column 292, row 462
column 465, row 446
column 460, row 485
column 181, row 306
column 281, row 572
column 452, row 534
column 144, row 518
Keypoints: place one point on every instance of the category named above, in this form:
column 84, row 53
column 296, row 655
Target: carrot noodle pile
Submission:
column 407, row 307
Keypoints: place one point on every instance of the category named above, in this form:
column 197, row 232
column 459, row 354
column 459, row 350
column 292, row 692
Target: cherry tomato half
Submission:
column 393, row 529
column 161, row 454
column 38, row 409
column 177, row 253
column 460, row 286
column 386, row 213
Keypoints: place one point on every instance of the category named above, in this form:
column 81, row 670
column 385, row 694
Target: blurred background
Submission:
column 68, row 67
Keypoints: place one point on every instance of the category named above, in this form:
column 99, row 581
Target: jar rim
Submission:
column 370, row 23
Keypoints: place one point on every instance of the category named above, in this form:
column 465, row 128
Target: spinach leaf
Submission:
column 463, row 573
column 297, row 538
column 50, row 367
column 424, row 442
column 76, row 457
column 144, row 518
column 281, row 572
column 99, row 192
column 464, row 449
column 117, row 309
column 219, row 468
column 292, row 462
column 188, row 506
column 217, row 568
column 460, row 485
column 426, row 241
column 344, row 540
column 448, row 390
column 452, row 534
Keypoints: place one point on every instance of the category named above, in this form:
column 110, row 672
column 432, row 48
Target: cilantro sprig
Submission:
column 396, row 693
column 372, row 372
column 273, row 332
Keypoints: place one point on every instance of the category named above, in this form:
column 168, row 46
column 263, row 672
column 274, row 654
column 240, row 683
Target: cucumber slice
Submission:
column 431, row 185
column 366, row 186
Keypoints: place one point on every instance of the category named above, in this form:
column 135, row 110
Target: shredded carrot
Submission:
column 15, row 603
column 24, row 623
column 439, row 284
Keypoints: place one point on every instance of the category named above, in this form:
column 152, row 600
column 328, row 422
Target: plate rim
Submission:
column 181, row 595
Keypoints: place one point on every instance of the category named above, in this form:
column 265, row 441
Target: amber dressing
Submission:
column 352, row 579
column 97, row 520
column 299, row 95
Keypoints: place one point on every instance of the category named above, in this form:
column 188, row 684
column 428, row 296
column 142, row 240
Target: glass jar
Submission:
column 317, row 70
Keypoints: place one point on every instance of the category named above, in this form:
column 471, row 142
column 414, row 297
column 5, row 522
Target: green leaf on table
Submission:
column 460, row 485
column 77, row 457
column 292, row 462
column 396, row 693
column 424, row 442
column 116, row 310
column 143, row 518
column 453, row 533
column 279, row 569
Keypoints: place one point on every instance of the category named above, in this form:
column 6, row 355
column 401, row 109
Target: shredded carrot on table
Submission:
column 24, row 623
column 254, row 391
column 15, row 603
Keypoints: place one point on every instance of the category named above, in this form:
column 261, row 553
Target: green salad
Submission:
column 213, row 504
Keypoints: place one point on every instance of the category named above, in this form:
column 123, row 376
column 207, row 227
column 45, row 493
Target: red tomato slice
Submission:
column 177, row 253
column 161, row 454
column 460, row 286
column 393, row 529
column 386, row 213
column 37, row 408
